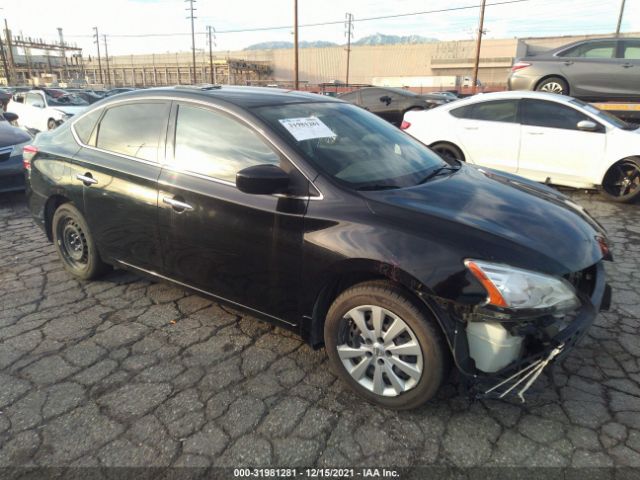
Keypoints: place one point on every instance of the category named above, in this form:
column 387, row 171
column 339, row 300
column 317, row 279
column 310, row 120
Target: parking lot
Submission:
column 127, row 372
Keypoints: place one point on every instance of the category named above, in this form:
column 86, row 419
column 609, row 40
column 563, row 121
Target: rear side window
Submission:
column 134, row 129
column 494, row 111
column 216, row 145
column 85, row 126
column 592, row 50
column 551, row 115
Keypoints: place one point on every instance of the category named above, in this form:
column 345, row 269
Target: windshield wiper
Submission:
column 377, row 187
column 439, row 171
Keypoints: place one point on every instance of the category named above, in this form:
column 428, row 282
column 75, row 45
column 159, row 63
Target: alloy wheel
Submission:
column 552, row 87
column 623, row 180
column 380, row 351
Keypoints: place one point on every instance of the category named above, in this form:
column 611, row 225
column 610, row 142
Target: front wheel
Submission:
column 51, row 124
column 448, row 151
column 621, row 183
column 384, row 347
column 75, row 245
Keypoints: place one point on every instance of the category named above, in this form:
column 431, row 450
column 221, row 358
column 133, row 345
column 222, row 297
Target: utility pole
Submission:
column 620, row 18
column 106, row 56
column 191, row 9
column 7, row 75
column 478, row 44
column 97, row 42
column 296, row 80
column 348, row 25
column 7, row 33
column 212, row 40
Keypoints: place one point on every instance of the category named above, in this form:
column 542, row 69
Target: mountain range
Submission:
column 377, row 39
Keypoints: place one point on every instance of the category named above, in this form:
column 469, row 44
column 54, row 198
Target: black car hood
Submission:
column 528, row 224
column 10, row 135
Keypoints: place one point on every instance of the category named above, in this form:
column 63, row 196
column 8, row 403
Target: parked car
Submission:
column 540, row 136
column 116, row 91
column 12, row 141
column 322, row 218
column 45, row 109
column 603, row 69
column 392, row 103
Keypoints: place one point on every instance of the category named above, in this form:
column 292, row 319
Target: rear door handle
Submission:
column 568, row 62
column 471, row 128
column 87, row 179
column 535, row 133
column 177, row 205
column 627, row 65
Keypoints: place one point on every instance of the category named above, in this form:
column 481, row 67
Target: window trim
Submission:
column 171, row 122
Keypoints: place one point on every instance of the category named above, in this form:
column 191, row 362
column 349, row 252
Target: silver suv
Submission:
column 602, row 69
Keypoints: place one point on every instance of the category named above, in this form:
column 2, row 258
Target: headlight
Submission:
column 511, row 287
column 65, row 117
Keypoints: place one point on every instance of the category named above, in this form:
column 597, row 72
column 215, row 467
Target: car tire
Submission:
column 448, row 151
column 75, row 245
column 621, row 183
column 370, row 364
column 553, row 85
column 51, row 124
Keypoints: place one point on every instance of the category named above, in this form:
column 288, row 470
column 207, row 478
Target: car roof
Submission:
column 510, row 95
column 244, row 97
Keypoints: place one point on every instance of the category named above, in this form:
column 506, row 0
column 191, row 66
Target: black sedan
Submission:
column 12, row 141
column 392, row 103
column 321, row 217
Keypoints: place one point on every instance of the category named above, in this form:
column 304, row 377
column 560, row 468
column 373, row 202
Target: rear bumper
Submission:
column 521, row 82
column 551, row 349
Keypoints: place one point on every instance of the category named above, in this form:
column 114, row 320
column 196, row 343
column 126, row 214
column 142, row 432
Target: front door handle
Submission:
column 535, row 133
column 568, row 62
column 627, row 65
column 471, row 128
column 177, row 205
column 87, row 179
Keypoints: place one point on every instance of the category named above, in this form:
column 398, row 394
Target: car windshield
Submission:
column 612, row 119
column 66, row 99
column 351, row 145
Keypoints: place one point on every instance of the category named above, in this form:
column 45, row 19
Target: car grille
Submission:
column 5, row 153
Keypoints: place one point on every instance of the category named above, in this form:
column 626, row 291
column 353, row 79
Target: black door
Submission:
column 118, row 170
column 243, row 248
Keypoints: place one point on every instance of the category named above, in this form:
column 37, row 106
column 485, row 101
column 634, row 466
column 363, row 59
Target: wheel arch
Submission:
column 53, row 202
column 355, row 271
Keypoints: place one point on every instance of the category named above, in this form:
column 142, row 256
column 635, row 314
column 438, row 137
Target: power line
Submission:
column 319, row 24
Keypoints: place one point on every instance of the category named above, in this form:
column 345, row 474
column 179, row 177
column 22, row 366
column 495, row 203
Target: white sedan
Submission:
column 541, row 136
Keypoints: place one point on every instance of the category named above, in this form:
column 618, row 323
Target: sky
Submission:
column 116, row 18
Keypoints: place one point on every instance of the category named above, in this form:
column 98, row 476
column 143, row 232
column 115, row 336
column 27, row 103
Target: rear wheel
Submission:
column 448, row 151
column 621, row 183
column 384, row 347
column 553, row 85
column 75, row 245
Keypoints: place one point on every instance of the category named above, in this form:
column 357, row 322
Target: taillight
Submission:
column 519, row 66
column 28, row 153
column 404, row 125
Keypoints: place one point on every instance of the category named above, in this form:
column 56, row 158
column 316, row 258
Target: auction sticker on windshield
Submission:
column 306, row 128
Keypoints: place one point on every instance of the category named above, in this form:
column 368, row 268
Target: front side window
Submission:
column 34, row 99
column 551, row 115
column 134, row 129
column 352, row 146
column 592, row 50
column 216, row 145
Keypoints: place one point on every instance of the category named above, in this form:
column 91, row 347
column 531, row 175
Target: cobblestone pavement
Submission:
column 125, row 371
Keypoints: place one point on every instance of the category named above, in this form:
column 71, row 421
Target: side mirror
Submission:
column 10, row 117
column 386, row 99
column 262, row 180
column 587, row 126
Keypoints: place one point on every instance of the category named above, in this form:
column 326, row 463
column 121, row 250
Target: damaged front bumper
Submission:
column 517, row 377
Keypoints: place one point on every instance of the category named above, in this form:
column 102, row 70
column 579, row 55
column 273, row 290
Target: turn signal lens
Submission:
column 494, row 295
